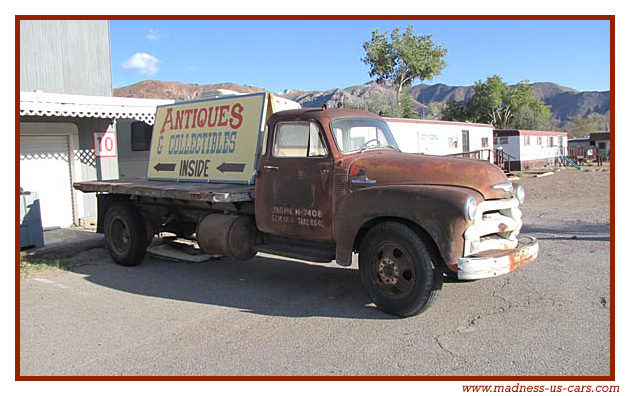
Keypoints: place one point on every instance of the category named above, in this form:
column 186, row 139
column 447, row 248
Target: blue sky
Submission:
column 318, row 55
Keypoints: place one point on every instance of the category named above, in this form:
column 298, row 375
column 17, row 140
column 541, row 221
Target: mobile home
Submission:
column 442, row 137
column 531, row 149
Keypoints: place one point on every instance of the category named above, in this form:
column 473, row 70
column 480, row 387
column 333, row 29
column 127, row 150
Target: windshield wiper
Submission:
column 381, row 146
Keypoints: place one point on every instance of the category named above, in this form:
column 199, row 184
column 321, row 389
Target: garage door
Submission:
column 45, row 168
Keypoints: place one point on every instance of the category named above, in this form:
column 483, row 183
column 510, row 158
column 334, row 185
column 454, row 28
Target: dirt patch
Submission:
column 568, row 195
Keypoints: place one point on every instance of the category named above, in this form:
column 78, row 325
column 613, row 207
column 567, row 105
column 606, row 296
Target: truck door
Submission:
column 293, row 188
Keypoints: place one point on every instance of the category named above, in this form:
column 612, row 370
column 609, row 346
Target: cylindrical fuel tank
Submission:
column 229, row 235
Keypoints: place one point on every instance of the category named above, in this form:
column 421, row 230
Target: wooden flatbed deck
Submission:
column 206, row 192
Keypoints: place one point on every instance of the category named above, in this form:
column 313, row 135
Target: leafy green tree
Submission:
column 594, row 122
column 455, row 111
column 488, row 100
column 502, row 117
column 400, row 59
column 406, row 106
column 528, row 111
column 531, row 117
column 436, row 109
column 494, row 102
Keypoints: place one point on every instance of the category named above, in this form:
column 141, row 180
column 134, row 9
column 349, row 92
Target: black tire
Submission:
column 125, row 235
column 398, row 270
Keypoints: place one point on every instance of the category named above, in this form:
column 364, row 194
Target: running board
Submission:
column 319, row 252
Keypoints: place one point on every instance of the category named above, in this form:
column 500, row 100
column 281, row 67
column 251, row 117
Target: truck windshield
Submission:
column 358, row 134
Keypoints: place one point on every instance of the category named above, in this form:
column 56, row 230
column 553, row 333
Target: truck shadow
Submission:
column 577, row 232
column 262, row 286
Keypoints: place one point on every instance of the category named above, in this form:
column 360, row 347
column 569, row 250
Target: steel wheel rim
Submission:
column 393, row 270
column 119, row 236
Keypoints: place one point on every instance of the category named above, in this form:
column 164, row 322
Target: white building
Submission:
column 531, row 149
column 58, row 138
column 442, row 137
column 61, row 60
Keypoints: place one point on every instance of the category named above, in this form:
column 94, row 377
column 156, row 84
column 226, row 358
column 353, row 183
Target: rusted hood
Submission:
column 388, row 168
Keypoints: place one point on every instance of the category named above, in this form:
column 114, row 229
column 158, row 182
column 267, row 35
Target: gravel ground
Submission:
column 273, row 316
column 567, row 207
column 569, row 196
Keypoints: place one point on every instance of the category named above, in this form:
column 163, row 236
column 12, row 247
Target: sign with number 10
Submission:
column 105, row 144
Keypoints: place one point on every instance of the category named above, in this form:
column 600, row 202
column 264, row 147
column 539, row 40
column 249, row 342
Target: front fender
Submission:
column 438, row 210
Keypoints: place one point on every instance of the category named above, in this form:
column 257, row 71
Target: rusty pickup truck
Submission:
column 317, row 184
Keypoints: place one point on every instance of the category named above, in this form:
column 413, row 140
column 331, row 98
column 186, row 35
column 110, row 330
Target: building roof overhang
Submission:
column 66, row 105
column 437, row 122
column 523, row 132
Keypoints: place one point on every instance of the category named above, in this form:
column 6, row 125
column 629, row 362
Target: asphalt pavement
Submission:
column 274, row 316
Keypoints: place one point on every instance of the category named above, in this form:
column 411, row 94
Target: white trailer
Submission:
column 442, row 137
column 531, row 149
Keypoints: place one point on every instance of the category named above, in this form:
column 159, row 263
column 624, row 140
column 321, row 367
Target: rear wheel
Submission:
column 398, row 271
column 125, row 235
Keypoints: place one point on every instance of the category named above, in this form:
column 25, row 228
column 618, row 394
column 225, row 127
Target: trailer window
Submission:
column 141, row 136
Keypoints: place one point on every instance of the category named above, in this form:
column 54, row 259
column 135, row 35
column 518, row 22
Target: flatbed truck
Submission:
column 316, row 184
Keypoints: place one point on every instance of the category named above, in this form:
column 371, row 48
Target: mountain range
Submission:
column 565, row 103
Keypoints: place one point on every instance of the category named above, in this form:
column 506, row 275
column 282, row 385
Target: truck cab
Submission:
column 336, row 176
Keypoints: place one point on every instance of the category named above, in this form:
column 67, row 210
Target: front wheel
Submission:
column 125, row 235
column 397, row 270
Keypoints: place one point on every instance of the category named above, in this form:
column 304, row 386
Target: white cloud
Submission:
column 143, row 63
column 152, row 35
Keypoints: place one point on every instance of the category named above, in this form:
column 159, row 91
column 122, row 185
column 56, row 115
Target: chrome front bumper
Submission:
column 498, row 262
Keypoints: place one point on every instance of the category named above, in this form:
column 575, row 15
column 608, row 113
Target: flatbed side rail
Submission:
column 205, row 192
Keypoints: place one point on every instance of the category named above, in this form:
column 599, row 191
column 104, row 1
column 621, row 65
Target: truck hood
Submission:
column 393, row 168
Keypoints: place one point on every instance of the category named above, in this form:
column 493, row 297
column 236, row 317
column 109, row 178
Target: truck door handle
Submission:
column 363, row 180
column 271, row 167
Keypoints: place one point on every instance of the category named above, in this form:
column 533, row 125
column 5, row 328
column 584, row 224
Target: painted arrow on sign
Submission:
column 227, row 167
column 164, row 167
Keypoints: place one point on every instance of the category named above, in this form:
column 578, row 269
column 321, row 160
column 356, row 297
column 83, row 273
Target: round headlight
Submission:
column 470, row 208
column 520, row 194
